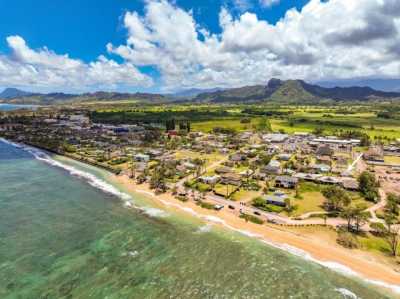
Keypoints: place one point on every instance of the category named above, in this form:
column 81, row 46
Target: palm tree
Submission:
column 133, row 169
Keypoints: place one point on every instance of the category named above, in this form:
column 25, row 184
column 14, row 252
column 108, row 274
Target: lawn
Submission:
column 210, row 158
column 307, row 119
column 245, row 196
column 372, row 243
column 311, row 202
column 224, row 190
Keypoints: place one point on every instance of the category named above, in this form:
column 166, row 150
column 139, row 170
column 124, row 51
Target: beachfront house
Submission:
column 275, row 200
column 231, row 179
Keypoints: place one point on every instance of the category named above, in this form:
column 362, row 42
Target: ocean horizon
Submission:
column 11, row 107
column 66, row 232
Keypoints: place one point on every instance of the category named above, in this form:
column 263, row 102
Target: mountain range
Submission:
column 293, row 92
column 275, row 91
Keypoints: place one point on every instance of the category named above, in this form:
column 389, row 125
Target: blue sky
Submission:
column 83, row 28
column 49, row 29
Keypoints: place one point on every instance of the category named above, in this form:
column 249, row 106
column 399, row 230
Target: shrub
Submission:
column 347, row 240
column 182, row 198
column 252, row 218
column 206, row 205
column 203, row 187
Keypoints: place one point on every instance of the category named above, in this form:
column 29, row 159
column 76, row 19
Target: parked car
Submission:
column 218, row 207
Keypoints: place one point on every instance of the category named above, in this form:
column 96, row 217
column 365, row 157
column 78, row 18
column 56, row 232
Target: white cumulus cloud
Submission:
column 43, row 69
column 325, row 40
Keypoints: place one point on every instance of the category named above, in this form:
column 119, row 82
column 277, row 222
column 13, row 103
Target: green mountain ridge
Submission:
column 295, row 92
column 276, row 91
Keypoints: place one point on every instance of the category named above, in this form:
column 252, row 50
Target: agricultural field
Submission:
column 307, row 120
column 378, row 121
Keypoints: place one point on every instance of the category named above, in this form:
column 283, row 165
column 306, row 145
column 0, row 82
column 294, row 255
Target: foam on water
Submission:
column 108, row 188
column 153, row 212
column 346, row 293
column 205, row 228
column 92, row 179
column 337, row 267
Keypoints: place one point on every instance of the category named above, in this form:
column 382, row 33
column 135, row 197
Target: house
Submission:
column 224, row 151
column 189, row 165
column 307, row 176
column 286, row 182
column 231, row 179
column 275, row 137
column 324, row 150
column 330, row 180
column 141, row 158
column 223, row 169
column 260, row 176
column 273, row 167
column 335, row 141
column 284, row 157
column 350, row 184
column 341, row 161
column 275, row 200
column 321, row 168
column 154, row 153
column 246, row 173
column 374, row 153
column 210, row 180
column 237, row 158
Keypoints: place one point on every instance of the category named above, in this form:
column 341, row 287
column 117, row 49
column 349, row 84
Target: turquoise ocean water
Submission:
column 10, row 107
column 65, row 233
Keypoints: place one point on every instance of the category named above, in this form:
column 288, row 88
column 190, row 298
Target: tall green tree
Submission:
column 369, row 186
column 336, row 198
column 389, row 232
column 264, row 125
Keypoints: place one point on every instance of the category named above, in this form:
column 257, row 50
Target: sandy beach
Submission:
column 317, row 247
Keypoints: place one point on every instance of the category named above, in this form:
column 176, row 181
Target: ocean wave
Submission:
column 92, row 179
column 204, row 228
column 337, row 267
column 108, row 188
column 346, row 293
column 153, row 212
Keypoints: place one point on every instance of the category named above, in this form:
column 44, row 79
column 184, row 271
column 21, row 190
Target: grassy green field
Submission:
column 307, row 122
column 205, row 117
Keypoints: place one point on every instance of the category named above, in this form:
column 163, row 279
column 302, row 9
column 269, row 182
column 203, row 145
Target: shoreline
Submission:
column 361, row 265
column 316, row 249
